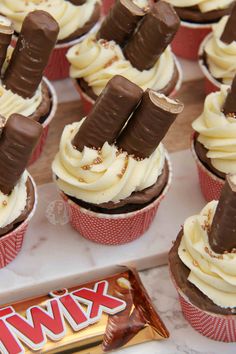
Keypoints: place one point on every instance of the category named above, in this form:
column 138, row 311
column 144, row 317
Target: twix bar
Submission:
column 95, row 317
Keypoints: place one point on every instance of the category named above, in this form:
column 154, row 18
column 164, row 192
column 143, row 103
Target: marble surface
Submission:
column 54, row 255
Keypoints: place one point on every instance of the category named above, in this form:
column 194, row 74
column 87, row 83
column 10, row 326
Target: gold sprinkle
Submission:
column 97, row 161
column 4, row 203
column 195, row 263
column 86, row 167
column 81, row 180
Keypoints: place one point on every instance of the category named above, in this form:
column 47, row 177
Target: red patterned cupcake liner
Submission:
column 211, row 185
column 11, row 244
column 211, row 84
column 58, row 65
column 88, row 102
column 114, row 229
column 214, row 326
column 188, row 39
column 38, row 150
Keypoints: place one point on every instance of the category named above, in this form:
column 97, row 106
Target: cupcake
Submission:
column 130, row 43
column 18, row 137
column 75, row 19
column 22, row 89
column 214, row 143
column 202, row 266
column 197, row 17
column 113, row 174
column 218, row 52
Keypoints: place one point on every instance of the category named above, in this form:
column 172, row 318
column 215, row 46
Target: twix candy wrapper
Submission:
column 92, row 318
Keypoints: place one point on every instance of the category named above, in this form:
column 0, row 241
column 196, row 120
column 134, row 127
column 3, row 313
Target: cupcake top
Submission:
column 203, row 5
column 21, row 90
column 69, row 16
column 18, row 139
column 207, row 248
column 98, row 162
column 220, row 49
column 202, row 11
column 116, row 49
column 216, row 127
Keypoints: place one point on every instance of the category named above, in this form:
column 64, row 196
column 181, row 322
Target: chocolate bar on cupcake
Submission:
column 110, row 164
column 19, row 137
column 130, row 42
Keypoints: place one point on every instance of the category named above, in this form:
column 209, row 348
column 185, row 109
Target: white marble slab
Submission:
column 53, row 250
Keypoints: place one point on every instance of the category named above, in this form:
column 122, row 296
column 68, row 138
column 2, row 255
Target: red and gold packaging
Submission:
column 92, row 318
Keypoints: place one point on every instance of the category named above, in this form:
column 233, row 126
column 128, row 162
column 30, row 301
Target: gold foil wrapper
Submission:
column 92, row 318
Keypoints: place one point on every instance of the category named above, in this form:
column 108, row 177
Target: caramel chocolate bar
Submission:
column 6, row 32
column 154, row 34
column 90, row 318
column 149, row 124
column 229, row 108
column 30, row 57
column 121, row 21
column 229, row 33
column 110, row 112
column 222, row 235
column 17, row 142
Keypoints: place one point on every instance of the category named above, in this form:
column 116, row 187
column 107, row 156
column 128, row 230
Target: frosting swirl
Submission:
column 12, row 206
column 213, row 274
column 102, row 176
column 98, row 61
column 69, row 17
column 218, row 132
column 204, row 5
column 13, row 103
column 220, row 56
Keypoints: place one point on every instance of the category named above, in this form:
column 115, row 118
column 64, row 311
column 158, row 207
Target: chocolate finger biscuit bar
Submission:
column 90, row 318
column 6, row 32
column 120, row 22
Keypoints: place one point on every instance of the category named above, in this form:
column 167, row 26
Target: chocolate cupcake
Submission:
column 19, row 137
column 132, row 43
column 202, row 266
column 218, row 52
column 214, row 146
column 197, row 18
column 116, row 171
column 22, row 89
column 75, row 19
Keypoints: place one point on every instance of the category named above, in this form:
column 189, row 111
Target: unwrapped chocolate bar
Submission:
column 95, row 317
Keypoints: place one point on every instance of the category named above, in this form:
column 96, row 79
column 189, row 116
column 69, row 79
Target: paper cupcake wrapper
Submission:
column 211, row 84
column 114, row 229
column 211, row 185
column 58, row 65
column 39, row 148
column 11, row 243
column 188, row 39
column 88, row 102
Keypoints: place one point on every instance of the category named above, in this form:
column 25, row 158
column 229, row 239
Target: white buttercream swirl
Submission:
column 213, row 274
column 218, row 132
column 13, row 103
column 103, row 176
column 69, row 17
column 204, row 5
column 221, row 56
column 98, row 61
column 12, row 206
